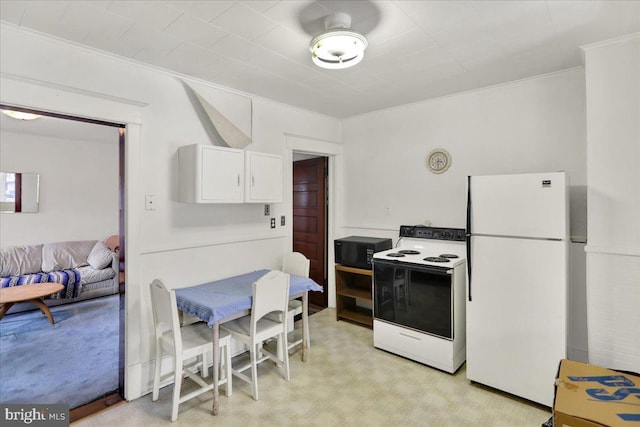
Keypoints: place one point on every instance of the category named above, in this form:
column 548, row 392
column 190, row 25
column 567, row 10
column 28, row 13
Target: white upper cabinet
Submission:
column 211, row 174
column 263, row 178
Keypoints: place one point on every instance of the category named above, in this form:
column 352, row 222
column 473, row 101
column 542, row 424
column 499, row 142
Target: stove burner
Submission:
column 436, row 259
column 409, row 252
column 449, row 256
column 396, row 255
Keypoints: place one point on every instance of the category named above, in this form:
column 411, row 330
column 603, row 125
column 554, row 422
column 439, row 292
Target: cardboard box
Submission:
column 590, row 396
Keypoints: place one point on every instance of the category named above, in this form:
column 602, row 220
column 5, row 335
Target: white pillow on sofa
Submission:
column 100, row 256
column 64, row 255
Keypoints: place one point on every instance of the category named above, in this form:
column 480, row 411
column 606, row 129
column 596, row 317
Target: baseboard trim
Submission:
column 98, row 405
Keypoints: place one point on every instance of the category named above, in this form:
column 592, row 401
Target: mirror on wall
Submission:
column 19, row 192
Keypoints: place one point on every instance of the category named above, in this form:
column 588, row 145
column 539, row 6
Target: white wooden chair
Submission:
column 270, row 294
column 185, row 343
column 296, row 263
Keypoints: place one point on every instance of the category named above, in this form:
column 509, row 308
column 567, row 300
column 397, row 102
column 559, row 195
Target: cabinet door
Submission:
column 263, row 179
column 221, row 175
column 210, row 174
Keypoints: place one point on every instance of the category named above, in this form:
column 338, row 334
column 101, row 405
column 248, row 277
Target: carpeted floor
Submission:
column 71, row 362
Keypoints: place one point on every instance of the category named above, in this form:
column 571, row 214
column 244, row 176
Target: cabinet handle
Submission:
column 253, row 181
column 238, row 180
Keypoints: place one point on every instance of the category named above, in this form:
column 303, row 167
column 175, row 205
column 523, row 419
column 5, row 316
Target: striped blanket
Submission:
column 69, row 278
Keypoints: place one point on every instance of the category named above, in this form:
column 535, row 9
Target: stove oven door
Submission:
column 414, row 296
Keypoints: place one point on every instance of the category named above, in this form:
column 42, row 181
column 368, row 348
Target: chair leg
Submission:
column 222, row 371
column 306, row 326
column 279, row 350
column 227, row 368
column 204, row 367
column 177, row 385
column 156, row 375
column 254, row 370
column 286, row 355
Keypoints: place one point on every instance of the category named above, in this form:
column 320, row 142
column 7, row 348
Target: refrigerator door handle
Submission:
column 469, row 266
column 469, row 237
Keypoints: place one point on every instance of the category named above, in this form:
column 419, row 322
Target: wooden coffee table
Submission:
column 32, row 293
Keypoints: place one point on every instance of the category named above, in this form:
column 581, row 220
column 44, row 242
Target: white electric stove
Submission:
column 419, row 296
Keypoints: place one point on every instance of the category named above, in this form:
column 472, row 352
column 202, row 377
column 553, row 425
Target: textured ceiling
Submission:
column 417, row 49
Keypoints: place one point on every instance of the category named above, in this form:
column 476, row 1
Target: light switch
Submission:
column 150, row 202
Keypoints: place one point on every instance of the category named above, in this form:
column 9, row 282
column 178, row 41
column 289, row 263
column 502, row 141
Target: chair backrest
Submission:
column 296, row 263
column 165, row 312
column 270, row 293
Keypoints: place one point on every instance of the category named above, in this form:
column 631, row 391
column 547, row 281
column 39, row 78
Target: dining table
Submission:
column 227, row 299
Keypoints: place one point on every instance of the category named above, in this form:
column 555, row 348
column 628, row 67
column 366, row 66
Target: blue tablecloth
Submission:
column 213, row 301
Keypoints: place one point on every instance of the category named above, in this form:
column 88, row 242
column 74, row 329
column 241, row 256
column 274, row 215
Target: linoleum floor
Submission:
column 345, row 382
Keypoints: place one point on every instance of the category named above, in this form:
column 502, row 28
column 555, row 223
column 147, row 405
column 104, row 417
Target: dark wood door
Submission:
column 309, row 220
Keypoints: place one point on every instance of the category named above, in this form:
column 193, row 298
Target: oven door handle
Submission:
column 440, row 271
column 434, row 270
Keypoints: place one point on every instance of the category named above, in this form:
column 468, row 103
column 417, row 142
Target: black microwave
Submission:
column 357, row 251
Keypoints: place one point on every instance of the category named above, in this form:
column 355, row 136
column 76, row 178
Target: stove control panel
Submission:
column 433, row 233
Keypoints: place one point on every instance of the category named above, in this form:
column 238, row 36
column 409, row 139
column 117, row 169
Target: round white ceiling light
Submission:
column 338, row 47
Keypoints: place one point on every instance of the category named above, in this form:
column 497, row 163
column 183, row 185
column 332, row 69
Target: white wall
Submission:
column 180, row 243
column 533, row 125
column 613, row 159
column 78, row 188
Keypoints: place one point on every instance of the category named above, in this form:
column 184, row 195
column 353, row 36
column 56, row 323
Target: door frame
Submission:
column 334, row 152
column 58, row 99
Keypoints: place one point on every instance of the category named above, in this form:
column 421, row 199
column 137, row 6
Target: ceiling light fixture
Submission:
column 338, row 47
column 19, row 115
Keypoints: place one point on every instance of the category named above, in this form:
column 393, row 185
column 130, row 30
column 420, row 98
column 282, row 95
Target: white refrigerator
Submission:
column 517, row 243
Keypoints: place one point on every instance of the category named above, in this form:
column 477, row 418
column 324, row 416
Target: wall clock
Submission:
column 438, row 160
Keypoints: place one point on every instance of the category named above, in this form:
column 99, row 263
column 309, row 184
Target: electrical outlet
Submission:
column 150, row 202
column 267, row 210
column 282, row 221
column 273, row 223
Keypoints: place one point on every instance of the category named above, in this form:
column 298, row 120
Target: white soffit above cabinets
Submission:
column 417, row 49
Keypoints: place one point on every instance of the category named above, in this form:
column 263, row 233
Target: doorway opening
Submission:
column 310, row 220
column 71, row 128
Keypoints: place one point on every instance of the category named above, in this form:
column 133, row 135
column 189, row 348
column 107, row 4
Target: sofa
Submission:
column 86, row 268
